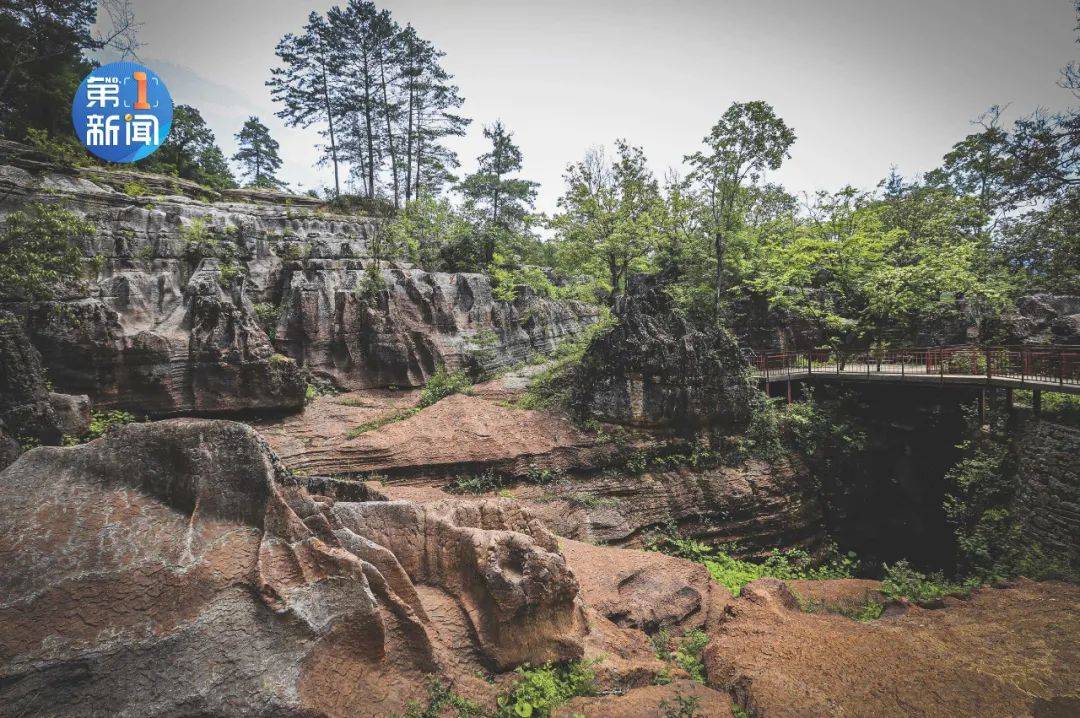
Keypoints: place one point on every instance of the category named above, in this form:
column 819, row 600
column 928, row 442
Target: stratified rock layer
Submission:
column 185, row 282
column 171, row 568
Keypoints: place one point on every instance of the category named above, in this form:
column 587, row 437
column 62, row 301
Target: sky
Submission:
column 866, row 84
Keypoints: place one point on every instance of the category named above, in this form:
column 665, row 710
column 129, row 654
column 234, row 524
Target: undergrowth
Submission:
column 538, row 691
column 734, row 573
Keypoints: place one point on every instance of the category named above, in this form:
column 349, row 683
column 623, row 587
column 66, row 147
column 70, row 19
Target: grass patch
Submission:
column 683, row 651
column 381, row 421
column 440, row 700
column 734, row 573
column 870, row 610
column 441, row 385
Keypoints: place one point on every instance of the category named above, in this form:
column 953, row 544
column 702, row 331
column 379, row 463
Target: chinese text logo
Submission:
column 122, row 112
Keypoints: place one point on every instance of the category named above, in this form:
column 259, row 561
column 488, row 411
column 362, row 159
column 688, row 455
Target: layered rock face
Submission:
column 181, row 549
column 1045, row 319
column 167, row 322
column 417, row 322
column 656, row 369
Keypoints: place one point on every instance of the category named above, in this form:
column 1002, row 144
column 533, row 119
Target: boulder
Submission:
column 176, row 568
column 72, row 412
column 655, row 368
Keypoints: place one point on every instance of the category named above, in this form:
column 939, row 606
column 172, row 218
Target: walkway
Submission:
column 1052, row 368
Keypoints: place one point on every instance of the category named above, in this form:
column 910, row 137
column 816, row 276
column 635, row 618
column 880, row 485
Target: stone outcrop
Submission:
column 182, row 549
column 26, row 413
column 756, row 505
column 1044, row 319
column 184, row 283
column 654, row 368
column 1047, row 502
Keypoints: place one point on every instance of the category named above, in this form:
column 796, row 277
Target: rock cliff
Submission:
column 183, row 285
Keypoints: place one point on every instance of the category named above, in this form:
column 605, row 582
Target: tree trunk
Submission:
column 330, row 122
column 369, row 126
column 409, row 143
column 389, row 134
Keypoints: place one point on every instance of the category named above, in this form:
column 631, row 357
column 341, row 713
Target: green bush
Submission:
column 440, row 699
column 101, row 422
column 370, row 284
column 484, row 483
column 268, row 316
column 537, row 692
column 39, row 251
column 441, row 385
column 903, row 581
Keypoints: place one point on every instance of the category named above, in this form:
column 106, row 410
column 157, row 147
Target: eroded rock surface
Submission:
column 167, row 323
column 172, row 568
column 1004, row 652
column 654, row 368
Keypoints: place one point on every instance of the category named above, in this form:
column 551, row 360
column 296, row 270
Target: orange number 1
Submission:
column 140, row 79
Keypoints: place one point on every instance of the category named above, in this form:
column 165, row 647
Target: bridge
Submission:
column 1044, row 368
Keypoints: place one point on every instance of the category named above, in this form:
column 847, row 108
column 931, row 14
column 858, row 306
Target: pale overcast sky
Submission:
column 865, row 83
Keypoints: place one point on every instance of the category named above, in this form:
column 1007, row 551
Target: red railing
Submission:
column 1035, row 365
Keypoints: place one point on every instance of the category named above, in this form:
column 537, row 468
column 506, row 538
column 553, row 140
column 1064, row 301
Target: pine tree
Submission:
column 258, row 154
column 505, row 200
column 306, row 85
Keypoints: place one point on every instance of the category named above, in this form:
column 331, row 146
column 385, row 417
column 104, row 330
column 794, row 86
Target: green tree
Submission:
column 303, row 84
column 190, row 151
column 607, row 223
column 41, row 58
column 747, row 140
column 505, row 199
column 258, row 154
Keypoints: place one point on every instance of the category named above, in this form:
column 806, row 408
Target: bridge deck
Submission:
column 1051, row 368
column 911, row 377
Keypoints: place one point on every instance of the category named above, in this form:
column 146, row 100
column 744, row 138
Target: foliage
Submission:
column 551, row 387
column 681, row 706
column 734, row 573
column 258, row 154
column 606, row 224
column 507, row 275
column 537, row 692
column 442, row 384
column 503, row 199
column 62, row 149
column 487, row 482
column 268, row 316
column 440, row 699
column 370, row 284
column 902, row 581
column 190, row 152
column 39, row 251
column 482, row 353
column 102, row 422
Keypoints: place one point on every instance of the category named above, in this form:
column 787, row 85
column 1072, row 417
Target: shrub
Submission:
column 39, row 251
column 136, row 189
column 733, row 573
column 483, row 483
column 903, row 581
column 370, row 284
column 268, row 315
column 537, row 692
column 101, row 422
column 64, row 150
column 440, row 698
column 441, row 385
column 681, row 706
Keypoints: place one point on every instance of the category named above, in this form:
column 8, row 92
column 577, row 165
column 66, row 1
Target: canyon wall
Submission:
column 182, row 284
